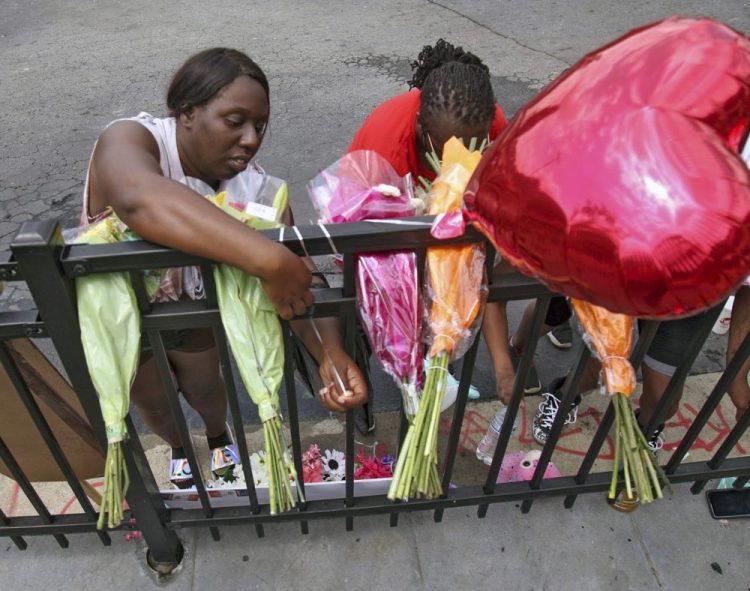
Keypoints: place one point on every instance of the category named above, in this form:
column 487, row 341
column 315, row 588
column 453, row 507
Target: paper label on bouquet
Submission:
column 264, row 212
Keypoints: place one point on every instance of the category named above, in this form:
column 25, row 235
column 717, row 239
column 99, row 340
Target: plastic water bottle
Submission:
column 725, row 318
column 486, row 447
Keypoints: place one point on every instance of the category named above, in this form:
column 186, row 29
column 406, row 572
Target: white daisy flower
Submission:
column 334, row 465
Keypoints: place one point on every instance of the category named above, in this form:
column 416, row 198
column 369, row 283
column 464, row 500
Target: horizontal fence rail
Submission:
column 50, row 268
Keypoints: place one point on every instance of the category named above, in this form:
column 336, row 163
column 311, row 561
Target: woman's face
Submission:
column 221, row 137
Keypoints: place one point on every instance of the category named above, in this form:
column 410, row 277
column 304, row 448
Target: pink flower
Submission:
column 374, row 467
column 312, row 473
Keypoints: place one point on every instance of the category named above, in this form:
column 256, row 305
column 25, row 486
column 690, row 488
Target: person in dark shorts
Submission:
column 154, row 173
column 665, row 353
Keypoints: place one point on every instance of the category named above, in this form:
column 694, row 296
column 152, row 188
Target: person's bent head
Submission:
column 220, row 99
column 457, row 97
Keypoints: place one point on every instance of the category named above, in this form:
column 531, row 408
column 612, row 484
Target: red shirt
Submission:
column 390, row 131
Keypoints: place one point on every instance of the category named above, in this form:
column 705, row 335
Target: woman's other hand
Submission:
column 331, row 395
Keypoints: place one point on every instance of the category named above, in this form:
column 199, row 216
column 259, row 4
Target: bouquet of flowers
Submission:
column 610, row 336
column 254, row 333
column 363, row 185
column 110, row 334
column 454, row 294
column 391, row 310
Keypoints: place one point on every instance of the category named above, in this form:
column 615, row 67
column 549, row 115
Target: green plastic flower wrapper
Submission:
column 110, row 334
column 254, row 333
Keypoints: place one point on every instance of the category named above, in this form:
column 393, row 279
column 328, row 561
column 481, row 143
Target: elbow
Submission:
column 137, row 213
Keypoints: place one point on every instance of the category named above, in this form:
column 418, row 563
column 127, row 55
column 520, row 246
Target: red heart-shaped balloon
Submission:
column 621, row 183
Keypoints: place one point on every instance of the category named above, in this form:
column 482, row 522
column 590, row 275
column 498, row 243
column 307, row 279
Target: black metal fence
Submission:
column 49, row 269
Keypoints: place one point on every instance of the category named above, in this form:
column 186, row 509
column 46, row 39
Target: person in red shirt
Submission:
column 451, row 95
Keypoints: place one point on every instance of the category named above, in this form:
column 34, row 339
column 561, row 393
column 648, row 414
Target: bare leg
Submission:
column 590, row 377
column 654, row 384
column 200, row 382
column 520, row 337
column 150, row 399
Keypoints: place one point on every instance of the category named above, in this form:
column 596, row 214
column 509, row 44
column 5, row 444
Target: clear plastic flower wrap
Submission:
column 362, row 185
column 454, row 293
column 391, row 312
column 610, row 336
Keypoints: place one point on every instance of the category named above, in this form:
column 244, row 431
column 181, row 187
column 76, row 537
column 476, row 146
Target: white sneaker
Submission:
column 545, row 416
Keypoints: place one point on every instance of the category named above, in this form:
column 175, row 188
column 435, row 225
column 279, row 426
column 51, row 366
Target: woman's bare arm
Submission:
column 125, row 174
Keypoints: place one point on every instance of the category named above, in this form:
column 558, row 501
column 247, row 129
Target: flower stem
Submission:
column 618, row 452
column 116, row 483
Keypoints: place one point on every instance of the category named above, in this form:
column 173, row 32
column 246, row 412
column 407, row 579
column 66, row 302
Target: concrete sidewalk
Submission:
column 670, row 545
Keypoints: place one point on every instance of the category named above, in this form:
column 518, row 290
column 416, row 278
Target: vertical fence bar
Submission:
column 710, row 405
column 53, row 446
column 35, row 249
column 467, row 370
column 17, row 540
column 725, row 448
column 402, row 429
column 676, row 384
column 209, row 286
column 29, row 491
column 168, row 383
column 136, row 280
column 291, row 403
column 234, row 407
column 540, row 312
column 571, row 391
column 350, row 328
column 646, row 334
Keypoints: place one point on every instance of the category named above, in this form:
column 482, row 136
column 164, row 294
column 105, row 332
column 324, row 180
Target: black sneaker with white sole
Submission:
column 548, row 409
column 656, row 443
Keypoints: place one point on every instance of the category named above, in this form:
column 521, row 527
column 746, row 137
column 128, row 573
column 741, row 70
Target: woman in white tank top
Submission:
column 153, row 173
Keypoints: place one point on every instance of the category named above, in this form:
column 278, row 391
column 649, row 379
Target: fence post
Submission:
column 36, row 248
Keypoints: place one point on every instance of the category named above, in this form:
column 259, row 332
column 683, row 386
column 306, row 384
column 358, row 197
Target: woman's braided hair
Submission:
column 454, row 82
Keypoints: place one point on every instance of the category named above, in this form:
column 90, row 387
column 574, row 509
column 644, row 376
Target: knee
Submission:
column 207, row 389
column 151, row 413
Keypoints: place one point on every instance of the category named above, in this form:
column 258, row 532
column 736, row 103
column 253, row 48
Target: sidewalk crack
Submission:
column 647, row 554
column 499, row 34
column 420, row 572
